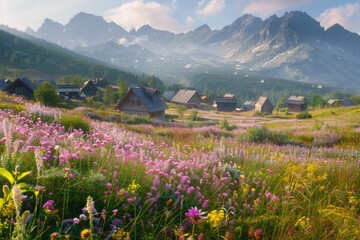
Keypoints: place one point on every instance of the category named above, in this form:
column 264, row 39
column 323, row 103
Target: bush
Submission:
column 303, row 115
column 262, row 134
column 46, row 94
column 194, row 115
column 75, row 122
column 224, row 125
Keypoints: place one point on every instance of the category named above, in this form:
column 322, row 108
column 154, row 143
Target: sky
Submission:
column 175, row 15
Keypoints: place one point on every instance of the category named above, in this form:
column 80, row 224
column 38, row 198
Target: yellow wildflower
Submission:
column 85, row 234
column 133, row 186
column 215, row 217
column 121, row 234
column 353, row 200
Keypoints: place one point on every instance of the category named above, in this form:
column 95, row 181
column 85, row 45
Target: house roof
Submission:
column 24, row 81
column 184, row 95
column 229, row 95
column 150, row 97
column 297, row 100
column 225, row 100
column 251, row 103
column 168, row 94
column 332, row 101
column 348, row 103
column 68, row 88
column 262, row 100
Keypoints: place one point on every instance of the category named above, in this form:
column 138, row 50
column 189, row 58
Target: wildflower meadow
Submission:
column 103, row 180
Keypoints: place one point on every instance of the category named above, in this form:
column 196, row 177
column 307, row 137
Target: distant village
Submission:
column 143, row 101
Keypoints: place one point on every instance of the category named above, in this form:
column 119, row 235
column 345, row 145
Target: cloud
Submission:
column 346, row 15
column 190, row 21
column 213, row 7
column 264, row 8
column 138, row 13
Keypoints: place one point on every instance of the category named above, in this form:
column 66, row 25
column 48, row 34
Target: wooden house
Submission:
column 188, row 97
column 142, row 101
column 89, row 89
column 264, row 106
column 68, row 91
column 100, row 82
column 248, row 106
column 21, row 86
column 340, row 102
column 227, row 103
column 296, row 104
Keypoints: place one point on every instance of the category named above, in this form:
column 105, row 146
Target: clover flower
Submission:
column 194, row 214
column 48, row 206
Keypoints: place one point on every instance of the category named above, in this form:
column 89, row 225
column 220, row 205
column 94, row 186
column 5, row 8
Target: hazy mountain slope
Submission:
column 82, row 30
column 23, row 54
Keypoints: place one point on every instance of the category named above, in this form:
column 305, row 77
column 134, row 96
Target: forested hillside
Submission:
column 42, row 58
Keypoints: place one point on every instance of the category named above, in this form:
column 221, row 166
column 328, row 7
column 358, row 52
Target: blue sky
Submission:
column 175, row 15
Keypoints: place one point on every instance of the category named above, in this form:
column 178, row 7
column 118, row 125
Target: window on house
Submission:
column 20, row 90
column 132, row 102
column 138, row 103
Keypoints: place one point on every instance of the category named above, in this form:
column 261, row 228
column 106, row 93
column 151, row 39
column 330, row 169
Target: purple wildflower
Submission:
column 194, row 214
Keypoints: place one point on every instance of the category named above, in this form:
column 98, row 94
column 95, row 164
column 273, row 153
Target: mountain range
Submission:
column 293, row 46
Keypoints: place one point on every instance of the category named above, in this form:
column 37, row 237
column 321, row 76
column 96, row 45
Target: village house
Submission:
column 21, row 86
column 68, row 91
column 264, row 106
column 89, row 89
column 142, row 102
column 296, row 104
column 248, row 106
column 187, row 97
column 100, row 82
column 227, row 103
column 340, row 102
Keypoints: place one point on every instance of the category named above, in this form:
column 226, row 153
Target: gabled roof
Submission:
column 297, row 100
column 150, row 97
column 184, row 95
column 251, row 103
column 262, row 100
column 229, row 95
column 169, row 94
column 24, row 81
column 332, row 101
column 225, row 100
column 348, row 103
column 68, row 88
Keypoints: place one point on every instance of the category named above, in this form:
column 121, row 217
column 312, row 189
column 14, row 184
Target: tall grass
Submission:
column 106, row 181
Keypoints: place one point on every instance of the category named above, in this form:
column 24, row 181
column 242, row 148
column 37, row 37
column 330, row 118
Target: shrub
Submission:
column 303, row 115
column 262, row 134
column 258, row 134
column 46, row 94
column 225, row 125
column 180, row 110
column 75, row 122
column 194, row 115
